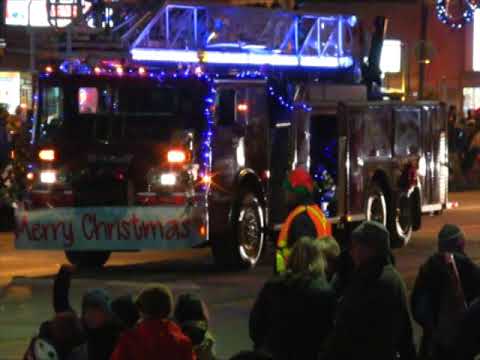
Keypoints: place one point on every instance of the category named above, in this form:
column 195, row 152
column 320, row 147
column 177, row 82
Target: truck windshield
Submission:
column 114, row 113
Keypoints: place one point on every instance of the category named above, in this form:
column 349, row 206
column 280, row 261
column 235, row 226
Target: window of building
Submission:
column 391, row 58
column 471, row 98
column 34, row 12
column 476, row 41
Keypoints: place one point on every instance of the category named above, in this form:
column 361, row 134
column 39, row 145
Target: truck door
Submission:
column 281, row 161
column 436, row 173
column 229, row 139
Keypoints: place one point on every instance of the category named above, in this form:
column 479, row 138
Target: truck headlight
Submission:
column 168, row 179
column 48, row 177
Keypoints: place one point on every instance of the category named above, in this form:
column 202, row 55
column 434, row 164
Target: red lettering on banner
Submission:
column 91, row 228
column 24, row 228
column 35, row 229
column 185, row 229
column 88, row 218
column 172, row 230
column 109, row 230
column 124, row 230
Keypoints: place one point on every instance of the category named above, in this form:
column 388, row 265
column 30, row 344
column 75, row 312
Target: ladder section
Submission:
column 194, row 32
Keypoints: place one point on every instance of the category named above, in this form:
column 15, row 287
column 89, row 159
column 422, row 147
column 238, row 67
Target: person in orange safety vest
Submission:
column 305, row 217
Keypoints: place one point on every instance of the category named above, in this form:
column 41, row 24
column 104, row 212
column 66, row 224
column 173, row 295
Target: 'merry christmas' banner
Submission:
column 105, row 228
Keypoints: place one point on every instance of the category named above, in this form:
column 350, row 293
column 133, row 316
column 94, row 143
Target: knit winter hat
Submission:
column 125, row 310
column 189, row 307
column 155, row 302
column 97, row 298
column 300, row 182
column 374, row 235
column 451, row 238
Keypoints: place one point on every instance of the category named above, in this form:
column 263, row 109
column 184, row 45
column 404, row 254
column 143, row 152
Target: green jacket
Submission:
column 372, row 320
column 292, row 317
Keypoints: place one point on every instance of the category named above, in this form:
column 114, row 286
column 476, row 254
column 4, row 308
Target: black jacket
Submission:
column 468, row 343
column 100, row 342
column 292, row 317
column 429, row 286
column 372, row 321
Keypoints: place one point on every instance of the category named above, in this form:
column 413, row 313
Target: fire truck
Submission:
column 186, row 141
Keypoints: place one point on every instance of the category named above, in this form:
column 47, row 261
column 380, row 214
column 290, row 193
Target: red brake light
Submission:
column 46, row 155
column 176, row 156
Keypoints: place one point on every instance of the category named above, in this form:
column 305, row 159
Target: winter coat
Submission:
column 372, row 320
column 468, row 342
column 154, row 339
column 100, row 342
column 429, row 287
column 292, row 316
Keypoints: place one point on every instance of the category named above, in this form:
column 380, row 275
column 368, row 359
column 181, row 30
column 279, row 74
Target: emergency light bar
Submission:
column 217, row 57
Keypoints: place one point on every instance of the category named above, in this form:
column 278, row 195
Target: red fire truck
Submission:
column 188, row 142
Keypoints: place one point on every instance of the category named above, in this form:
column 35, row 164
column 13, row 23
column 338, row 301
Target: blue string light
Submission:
column 445, row 18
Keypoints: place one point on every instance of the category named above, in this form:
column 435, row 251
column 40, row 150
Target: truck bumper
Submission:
column 111, row 228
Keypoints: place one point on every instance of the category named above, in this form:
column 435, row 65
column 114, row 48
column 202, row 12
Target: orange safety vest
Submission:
column 320, row 221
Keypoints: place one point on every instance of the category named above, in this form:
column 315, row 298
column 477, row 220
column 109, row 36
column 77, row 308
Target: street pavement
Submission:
column 26, row 279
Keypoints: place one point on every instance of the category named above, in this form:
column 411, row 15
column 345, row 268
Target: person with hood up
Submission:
column 372, row 320
column 446, row 284
column 293, row 313
column 192, row 315
column 101, row 326
column 155, row 336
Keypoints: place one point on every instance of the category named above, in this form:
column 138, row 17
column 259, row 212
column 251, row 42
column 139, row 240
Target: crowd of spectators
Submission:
column 302, row 314
column 464, row 148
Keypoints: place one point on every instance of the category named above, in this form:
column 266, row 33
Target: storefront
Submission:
column 15, row 89
column 471, row 94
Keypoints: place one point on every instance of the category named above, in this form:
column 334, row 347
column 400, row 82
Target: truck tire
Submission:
column 242, row 248
column 376, row 207
column 401, row 226
column 416, row 205
column 88, row 259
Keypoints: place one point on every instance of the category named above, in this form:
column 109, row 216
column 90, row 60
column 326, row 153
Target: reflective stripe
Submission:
column 320, row 221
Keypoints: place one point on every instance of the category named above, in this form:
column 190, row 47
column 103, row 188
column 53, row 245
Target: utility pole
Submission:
column 423, row 44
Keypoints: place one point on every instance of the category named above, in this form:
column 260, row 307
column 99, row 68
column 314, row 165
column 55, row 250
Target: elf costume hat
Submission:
column 299, row 182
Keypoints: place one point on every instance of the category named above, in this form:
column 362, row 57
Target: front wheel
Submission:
column 376, row 207
column 87, row 259
column 243, row 247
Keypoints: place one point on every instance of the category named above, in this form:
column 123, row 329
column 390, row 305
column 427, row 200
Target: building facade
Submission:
column 451, row 60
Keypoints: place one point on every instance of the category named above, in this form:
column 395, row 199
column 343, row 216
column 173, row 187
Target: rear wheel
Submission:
column 242, row 248
column 401, row 228
column 397, row 219
column 88, row 259
column 376, row 205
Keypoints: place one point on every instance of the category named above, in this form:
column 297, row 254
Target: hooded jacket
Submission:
column 154, row 339
column 292, row 316
column 372, row 320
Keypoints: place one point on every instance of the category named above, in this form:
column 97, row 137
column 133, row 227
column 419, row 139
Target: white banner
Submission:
column 106, row 228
